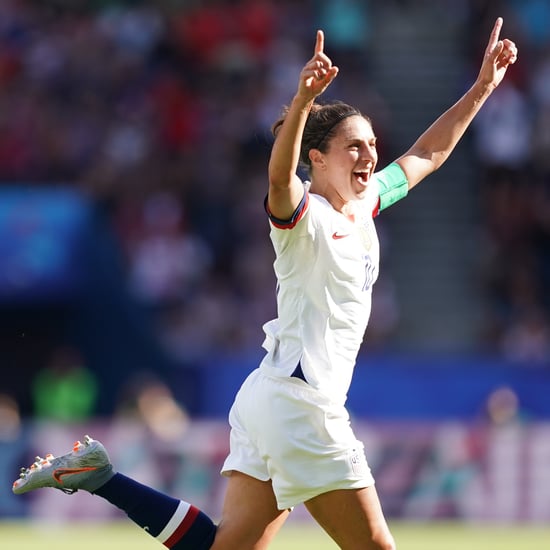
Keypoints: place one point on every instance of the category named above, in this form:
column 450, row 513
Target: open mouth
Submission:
column 362, row 176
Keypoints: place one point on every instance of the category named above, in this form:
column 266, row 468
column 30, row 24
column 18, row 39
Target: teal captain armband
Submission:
column 393, row 185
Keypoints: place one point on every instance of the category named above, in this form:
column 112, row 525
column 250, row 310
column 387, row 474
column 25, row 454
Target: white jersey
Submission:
column 326, row 266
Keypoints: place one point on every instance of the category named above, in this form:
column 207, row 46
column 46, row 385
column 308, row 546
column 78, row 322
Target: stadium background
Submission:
column 136, row 267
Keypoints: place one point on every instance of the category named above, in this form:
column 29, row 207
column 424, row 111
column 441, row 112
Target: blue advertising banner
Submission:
column 40, row 234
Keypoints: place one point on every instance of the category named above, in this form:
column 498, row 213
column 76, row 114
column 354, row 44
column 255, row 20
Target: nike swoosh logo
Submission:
column 337, row 235
column 61, row 472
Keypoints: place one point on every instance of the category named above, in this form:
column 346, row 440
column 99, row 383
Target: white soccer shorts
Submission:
column 284, row 430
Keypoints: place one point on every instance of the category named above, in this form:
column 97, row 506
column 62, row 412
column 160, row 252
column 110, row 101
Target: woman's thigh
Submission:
column 353, row 518
column 250, row 517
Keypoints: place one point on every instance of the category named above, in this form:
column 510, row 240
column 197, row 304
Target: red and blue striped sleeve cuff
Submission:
column 296, row 217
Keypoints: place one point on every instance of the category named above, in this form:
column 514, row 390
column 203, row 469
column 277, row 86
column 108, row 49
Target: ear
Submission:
column 317, row 159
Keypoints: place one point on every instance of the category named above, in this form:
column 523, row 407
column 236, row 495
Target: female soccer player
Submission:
column 291, row 440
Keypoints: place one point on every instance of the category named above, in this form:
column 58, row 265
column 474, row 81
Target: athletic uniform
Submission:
column 289, row 422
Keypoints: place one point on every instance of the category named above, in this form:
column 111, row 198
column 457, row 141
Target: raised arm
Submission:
column 285, row 189
column 435, row 145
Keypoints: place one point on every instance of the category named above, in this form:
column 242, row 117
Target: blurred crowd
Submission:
column 512, row 145
column 161, row 113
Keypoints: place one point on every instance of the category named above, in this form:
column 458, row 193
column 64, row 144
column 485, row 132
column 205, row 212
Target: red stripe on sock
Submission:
column 183, row 527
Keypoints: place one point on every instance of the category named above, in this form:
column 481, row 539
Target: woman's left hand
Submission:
column 499, row 55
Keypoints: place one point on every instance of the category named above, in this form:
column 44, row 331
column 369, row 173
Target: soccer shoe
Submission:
column 86, row 467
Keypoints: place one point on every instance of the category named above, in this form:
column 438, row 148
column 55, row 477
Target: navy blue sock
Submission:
column 175, row 523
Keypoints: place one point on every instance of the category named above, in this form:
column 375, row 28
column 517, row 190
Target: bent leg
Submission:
column 250, row 517
column 175, row 523
column 353, row 518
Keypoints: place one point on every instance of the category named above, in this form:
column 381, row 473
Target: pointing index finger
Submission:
column 495, row 33
column 320, row 42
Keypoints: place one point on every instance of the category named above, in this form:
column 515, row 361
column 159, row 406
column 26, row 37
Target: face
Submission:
column 349, row 162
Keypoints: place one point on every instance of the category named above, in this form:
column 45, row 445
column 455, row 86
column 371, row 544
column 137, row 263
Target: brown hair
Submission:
column 320, row 126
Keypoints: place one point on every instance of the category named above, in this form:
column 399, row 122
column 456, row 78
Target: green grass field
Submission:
column 409, row 536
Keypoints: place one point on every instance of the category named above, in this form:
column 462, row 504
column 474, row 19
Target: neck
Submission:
column 346, row 208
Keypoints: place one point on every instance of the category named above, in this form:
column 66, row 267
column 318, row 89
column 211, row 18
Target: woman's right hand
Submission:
column 318, row 72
